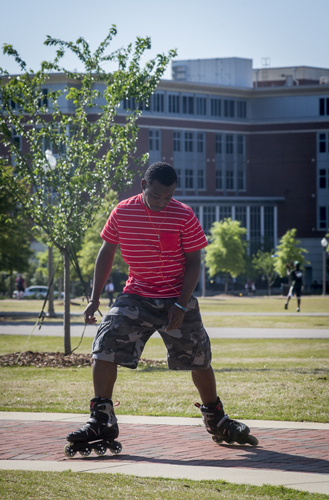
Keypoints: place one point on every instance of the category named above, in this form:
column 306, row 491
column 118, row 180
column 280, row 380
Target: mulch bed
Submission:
column 59, row 360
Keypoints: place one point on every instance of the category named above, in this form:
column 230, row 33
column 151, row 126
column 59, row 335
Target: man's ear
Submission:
column 143, row 184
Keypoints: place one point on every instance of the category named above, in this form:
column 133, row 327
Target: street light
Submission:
column 324, row 244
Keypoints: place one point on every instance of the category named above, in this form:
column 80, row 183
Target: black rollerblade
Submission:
column 98, row 434
column 223, row 428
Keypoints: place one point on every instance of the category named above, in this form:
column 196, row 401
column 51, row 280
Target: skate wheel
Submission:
column 116, row 448
column 100, row 449
column 252, row 440
column 69, row 451
column 86, row 451
column 217, row 439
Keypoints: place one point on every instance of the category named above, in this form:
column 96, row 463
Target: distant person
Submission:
column 296, row 277
column 109, row 289
column 20, row 286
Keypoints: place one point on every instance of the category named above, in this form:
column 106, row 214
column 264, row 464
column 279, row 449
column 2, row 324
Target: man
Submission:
column 161, row 240
column 296, row 277
column 20, row 286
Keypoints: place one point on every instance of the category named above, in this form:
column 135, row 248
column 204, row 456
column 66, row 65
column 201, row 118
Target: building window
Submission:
column 209, row 217
column 188, row 105
column 324, row 106
column 322, row 143
column 225, row 213
column 241, row 215
column 255, row 230
column 173, row 103
column 177, row 141
column 241, row 109
column 201, row 183
column 241, row 180
column 200, row 142
column 323, row 218
column 229, row 144
column 129, row 103
column 201, row 106
column 229, row 108
column 219, row 179
column 268, row 228
column 179, row 177
column 218, row 144
column 240, row 145
column 229, row 179
column 44, row 100
column 196, row 210
column 158, row 102
column 215, row 106
column 17, row 139
column 189, row 178
column 154, row 140
column 322, row 178
column 188, row 142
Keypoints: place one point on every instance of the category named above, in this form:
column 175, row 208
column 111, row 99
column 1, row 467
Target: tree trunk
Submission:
column 60, row 285
column 11, row 284
column 226, row 283
column 269, row 287
column 51, row 310
column 66, row 319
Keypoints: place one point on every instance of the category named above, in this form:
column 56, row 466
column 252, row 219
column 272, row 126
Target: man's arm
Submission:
column 191, row 278
column 103, row 266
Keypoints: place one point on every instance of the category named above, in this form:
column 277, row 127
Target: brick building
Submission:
column 248, row 144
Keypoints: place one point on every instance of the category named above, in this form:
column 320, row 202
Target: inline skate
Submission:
column 223, row 428
column 98, row 434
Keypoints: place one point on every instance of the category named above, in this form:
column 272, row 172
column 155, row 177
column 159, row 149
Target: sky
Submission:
column 285, row 33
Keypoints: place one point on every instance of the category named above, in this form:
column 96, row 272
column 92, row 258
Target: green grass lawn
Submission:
column 216, row 306
column 219, row 303
column 67, row 485
column 270, row 379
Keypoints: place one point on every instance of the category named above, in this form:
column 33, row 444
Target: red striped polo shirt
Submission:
column 153, row 244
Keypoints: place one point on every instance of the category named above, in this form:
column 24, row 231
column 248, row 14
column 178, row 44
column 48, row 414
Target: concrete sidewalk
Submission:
column 295, row 455
column 56, row 329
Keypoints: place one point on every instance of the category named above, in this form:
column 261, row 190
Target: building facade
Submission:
column 248, row 144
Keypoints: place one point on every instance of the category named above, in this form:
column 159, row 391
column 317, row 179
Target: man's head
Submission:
column 297, row 264
column 158, row 185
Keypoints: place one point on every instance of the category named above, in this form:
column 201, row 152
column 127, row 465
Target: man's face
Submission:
column 156, row 196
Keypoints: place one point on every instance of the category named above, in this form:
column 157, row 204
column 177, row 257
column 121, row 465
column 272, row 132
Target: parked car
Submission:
column 35, row 292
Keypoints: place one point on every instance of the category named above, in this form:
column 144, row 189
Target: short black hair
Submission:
column 161, row 172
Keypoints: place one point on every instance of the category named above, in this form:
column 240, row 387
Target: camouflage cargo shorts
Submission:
column 133, row 319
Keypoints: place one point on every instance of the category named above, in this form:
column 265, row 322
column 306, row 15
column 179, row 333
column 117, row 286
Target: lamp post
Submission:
column 51, row 311
column 324, row 244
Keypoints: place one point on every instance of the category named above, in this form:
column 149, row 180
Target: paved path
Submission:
column 56, row 329
column 289, row 454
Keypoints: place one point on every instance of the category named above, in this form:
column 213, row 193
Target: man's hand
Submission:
column 89, row 312
column 176, row 318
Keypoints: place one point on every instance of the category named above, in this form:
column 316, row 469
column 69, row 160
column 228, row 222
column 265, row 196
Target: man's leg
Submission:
column 104, row 378
column 205, row 382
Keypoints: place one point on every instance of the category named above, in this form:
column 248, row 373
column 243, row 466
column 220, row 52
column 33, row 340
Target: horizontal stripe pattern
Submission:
column 153, row 244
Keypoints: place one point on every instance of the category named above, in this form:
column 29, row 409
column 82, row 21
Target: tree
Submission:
column 263, row 262
column 227, row 249
column 15, row 233
column 91, row 243
column 288, row 251
column 64, row 197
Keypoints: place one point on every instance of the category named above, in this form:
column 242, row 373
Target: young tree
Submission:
column 64, row 197
column 288, row 251
column 227, row 249
column 263, row 262
column 92, row 241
